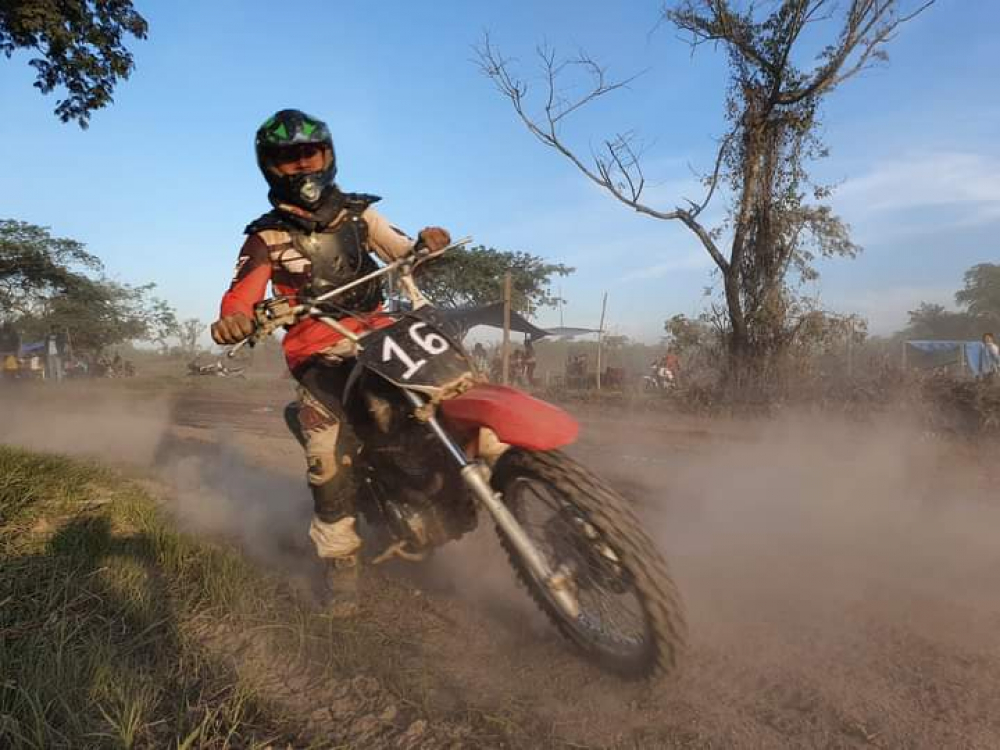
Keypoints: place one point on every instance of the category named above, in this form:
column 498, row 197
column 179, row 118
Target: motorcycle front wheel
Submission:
column 628, row 616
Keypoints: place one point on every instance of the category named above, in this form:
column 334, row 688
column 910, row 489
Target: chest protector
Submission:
column 338, row 254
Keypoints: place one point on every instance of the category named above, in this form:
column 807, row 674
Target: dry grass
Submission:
column 97, row 596
column 117, row 631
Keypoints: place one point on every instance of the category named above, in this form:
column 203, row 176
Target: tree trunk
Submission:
column 739, row 335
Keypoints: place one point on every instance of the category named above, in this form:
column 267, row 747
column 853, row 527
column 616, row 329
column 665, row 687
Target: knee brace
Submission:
column 334, row 499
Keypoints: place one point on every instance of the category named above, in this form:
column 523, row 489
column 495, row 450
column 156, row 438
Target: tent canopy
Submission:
column 464, row 319
column 569, row 333
column 974, row 352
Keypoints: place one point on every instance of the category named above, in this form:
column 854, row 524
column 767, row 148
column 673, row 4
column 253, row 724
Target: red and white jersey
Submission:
column 271, row 256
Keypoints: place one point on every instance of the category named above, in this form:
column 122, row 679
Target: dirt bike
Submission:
column 661, row 380
column 437, row 441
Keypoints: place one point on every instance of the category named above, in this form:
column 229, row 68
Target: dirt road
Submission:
column 841, row 580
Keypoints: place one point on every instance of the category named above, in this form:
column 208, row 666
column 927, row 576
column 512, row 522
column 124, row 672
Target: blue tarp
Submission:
column 977, row 357
column 36, row 348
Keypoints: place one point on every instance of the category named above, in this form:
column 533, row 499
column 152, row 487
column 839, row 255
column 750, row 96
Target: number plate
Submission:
column 413, row 352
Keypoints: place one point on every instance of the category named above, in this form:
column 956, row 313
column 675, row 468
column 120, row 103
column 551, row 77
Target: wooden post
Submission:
column 600, row 338
column 850, row 349
column 506, row 328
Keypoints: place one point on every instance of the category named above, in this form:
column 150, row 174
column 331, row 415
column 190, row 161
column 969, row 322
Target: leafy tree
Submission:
column 99, row 313
column 34, row 266
column 981, row 293
column 50, row 281
column 820, row 332
column 776, row 221
column 80, row 48
column 932, row 321
column 684, row 334
column 474, row 276
column 981, row 299
column 188, row 333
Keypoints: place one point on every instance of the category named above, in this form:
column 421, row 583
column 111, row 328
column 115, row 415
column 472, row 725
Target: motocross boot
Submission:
column 341, row 580
column 338, row 546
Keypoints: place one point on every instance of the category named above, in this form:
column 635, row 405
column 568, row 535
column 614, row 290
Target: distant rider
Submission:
column 316, row 238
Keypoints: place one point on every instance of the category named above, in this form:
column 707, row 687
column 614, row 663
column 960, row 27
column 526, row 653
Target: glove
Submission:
column 434, row 238
column 232, row 329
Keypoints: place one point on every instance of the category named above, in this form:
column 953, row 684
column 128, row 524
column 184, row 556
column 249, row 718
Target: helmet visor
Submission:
column 295, row 152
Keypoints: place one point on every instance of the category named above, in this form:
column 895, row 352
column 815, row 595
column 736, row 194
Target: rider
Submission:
column 316, row 238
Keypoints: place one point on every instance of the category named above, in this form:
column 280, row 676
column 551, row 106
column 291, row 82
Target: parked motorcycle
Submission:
column 216, row 369
column 437, row 441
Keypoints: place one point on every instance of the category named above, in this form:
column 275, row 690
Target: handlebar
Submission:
column 276, row 312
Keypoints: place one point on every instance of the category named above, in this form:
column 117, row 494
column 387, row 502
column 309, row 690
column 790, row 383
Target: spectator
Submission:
column 576, row 371
column 10, row 366
column 35, row 369
column 991, row 357
column 517, row 367
column 672, row 363
column 530, row 361
column 55, row 345
column 480, row 358
column 496, row 368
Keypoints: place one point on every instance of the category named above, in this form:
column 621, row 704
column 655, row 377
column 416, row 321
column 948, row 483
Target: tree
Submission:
column 50, row 281
column 776, row 222
column 981, row 293
column 99, row 313
column 684, row 334
column 188, row 333
column 34, row 266
column 932, row 321
column 474, row 276
column 80, row 47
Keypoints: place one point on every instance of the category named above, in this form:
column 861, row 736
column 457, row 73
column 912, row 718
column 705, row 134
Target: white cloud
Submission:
column 693, row 260
column 969, row 182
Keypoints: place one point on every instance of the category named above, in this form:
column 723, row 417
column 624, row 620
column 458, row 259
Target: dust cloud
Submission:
column 841, row 586
column 214, row 488
column 841, row 580
column 837, row 576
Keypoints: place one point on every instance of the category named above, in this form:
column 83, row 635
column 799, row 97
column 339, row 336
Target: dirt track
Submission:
column 841, row 582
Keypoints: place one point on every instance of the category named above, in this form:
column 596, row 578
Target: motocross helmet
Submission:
column 283, row 131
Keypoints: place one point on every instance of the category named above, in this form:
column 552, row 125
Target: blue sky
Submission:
column 163, row 182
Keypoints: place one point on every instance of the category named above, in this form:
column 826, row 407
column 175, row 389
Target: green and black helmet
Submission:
column 280, row 138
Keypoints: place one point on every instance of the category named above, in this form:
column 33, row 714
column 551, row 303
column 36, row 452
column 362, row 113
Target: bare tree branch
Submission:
column 869, row 25
column 713, row 181
column 619, row 171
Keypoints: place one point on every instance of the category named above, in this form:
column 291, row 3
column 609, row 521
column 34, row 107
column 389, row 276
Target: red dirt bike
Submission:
column 436, row 442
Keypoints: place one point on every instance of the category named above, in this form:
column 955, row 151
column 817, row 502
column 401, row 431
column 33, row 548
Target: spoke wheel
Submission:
column 628, row 616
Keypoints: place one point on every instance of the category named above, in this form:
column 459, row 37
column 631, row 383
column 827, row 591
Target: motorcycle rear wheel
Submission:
column 630, row 619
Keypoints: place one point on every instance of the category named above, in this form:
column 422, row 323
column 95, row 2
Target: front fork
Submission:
column 474, row 473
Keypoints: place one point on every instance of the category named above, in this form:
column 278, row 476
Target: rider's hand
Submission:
column 231, row 329
column 434, row 238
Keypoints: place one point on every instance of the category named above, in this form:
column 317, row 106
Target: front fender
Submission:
column 516, row 418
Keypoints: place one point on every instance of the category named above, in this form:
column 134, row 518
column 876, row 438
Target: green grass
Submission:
column 100, row 602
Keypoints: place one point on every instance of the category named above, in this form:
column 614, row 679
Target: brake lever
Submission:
column 260, row 333
column 422, row 254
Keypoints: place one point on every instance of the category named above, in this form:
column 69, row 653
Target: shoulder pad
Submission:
column 270, row 220
column 359, row 201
